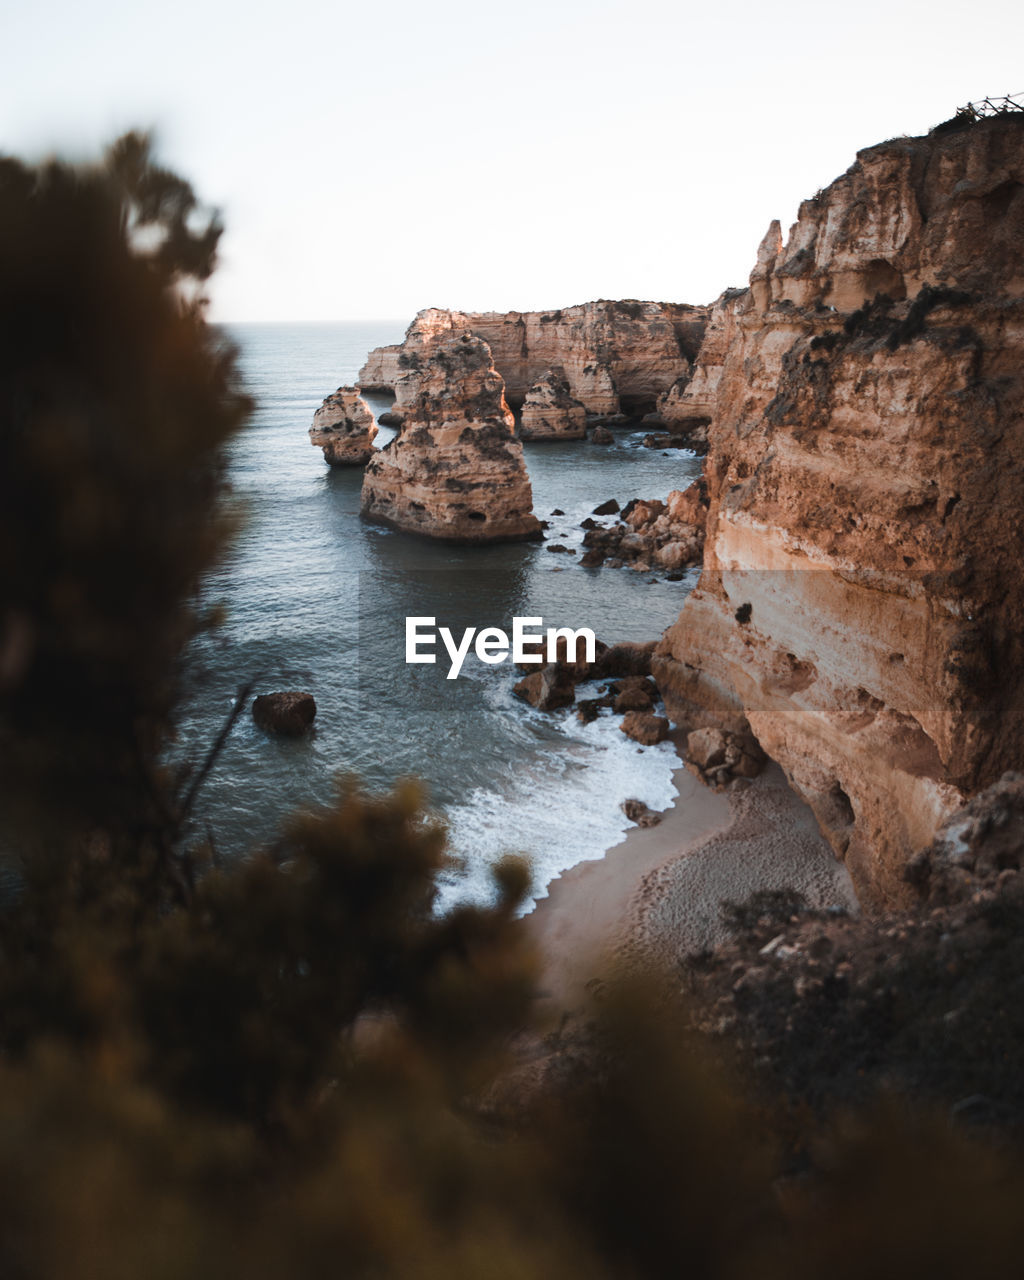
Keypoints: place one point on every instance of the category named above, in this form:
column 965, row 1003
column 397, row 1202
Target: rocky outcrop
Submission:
column 344, row 428
column 550, row 412
column 860, row 608
column 615, row 356
column 645, row 728
column 455, row 470
column 652, row 534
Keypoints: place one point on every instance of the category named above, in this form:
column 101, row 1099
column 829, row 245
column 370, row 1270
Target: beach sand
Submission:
column 657, row 895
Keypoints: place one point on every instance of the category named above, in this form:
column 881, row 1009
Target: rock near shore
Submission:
column 652, row 534
column 455, row 471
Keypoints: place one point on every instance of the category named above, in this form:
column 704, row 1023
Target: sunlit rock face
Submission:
column 344, row 428
column 860, row 605
column 615, row 356
column 455, row 471
column 550, row 412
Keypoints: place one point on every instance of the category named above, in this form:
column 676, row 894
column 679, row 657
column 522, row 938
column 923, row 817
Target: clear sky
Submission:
column 372, row 159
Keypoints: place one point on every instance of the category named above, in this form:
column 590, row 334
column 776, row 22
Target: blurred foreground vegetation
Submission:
column 290, row 1067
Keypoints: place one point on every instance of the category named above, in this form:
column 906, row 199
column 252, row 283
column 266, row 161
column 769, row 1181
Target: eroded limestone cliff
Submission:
column 615, row 356
column 860, row 607
column 455, row 470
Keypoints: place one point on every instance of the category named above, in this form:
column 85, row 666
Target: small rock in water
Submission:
column 290, row 713
column 608, row 508
column 601, row 435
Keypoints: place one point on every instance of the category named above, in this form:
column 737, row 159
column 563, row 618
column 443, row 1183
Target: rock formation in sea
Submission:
column 343, row 427
column 550, row 412
column 860, row 607
column 615, row 356
column 455, row 470
column 289, row 713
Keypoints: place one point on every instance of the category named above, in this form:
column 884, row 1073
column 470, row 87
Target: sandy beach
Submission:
column 657, row 895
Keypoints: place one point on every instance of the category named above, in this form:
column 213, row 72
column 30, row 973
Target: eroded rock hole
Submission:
column 882, row 277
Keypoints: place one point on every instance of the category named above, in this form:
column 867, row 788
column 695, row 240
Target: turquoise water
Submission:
column 316, row 599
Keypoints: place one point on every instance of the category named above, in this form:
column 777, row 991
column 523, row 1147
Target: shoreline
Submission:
column 656, row 895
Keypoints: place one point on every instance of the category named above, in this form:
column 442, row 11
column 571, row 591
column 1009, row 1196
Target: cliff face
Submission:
column 455, row 470
column 615, row 356
column 860, row 607
column 344, row 428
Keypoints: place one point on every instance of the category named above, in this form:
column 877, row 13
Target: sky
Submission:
column 372, row 159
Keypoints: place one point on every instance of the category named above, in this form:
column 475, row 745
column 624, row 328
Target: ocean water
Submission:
column 315, row 599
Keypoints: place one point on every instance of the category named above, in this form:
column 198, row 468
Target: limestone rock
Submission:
column 861, row 607
column 626, row 659
column 550, row 412
column 455, row 471
column 547, row 690
column 717, row 758
column 289, row 713
column 976, row 846
column 601, row 435
column 645, row 728
column 636, row 811
column 344, row 428
column 616, row 356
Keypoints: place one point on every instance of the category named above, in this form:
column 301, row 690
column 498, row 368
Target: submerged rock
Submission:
column 344, row 428
column 455, row 471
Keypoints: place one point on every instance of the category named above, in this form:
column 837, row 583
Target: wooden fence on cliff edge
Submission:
column 992, row 107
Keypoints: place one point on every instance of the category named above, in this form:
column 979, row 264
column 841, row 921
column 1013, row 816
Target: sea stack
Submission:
column 550, row 412
column 455, row 471
column 344, row 428
column 861, row 607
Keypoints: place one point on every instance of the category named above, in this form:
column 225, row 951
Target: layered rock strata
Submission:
column 860, row 608
column 455, row 471
column 550, row 412
column 615, row 356
column 344, row 428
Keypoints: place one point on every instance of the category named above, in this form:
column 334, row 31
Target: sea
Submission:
column 313, row 598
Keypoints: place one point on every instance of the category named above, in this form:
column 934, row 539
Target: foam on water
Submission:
column 558, row 806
